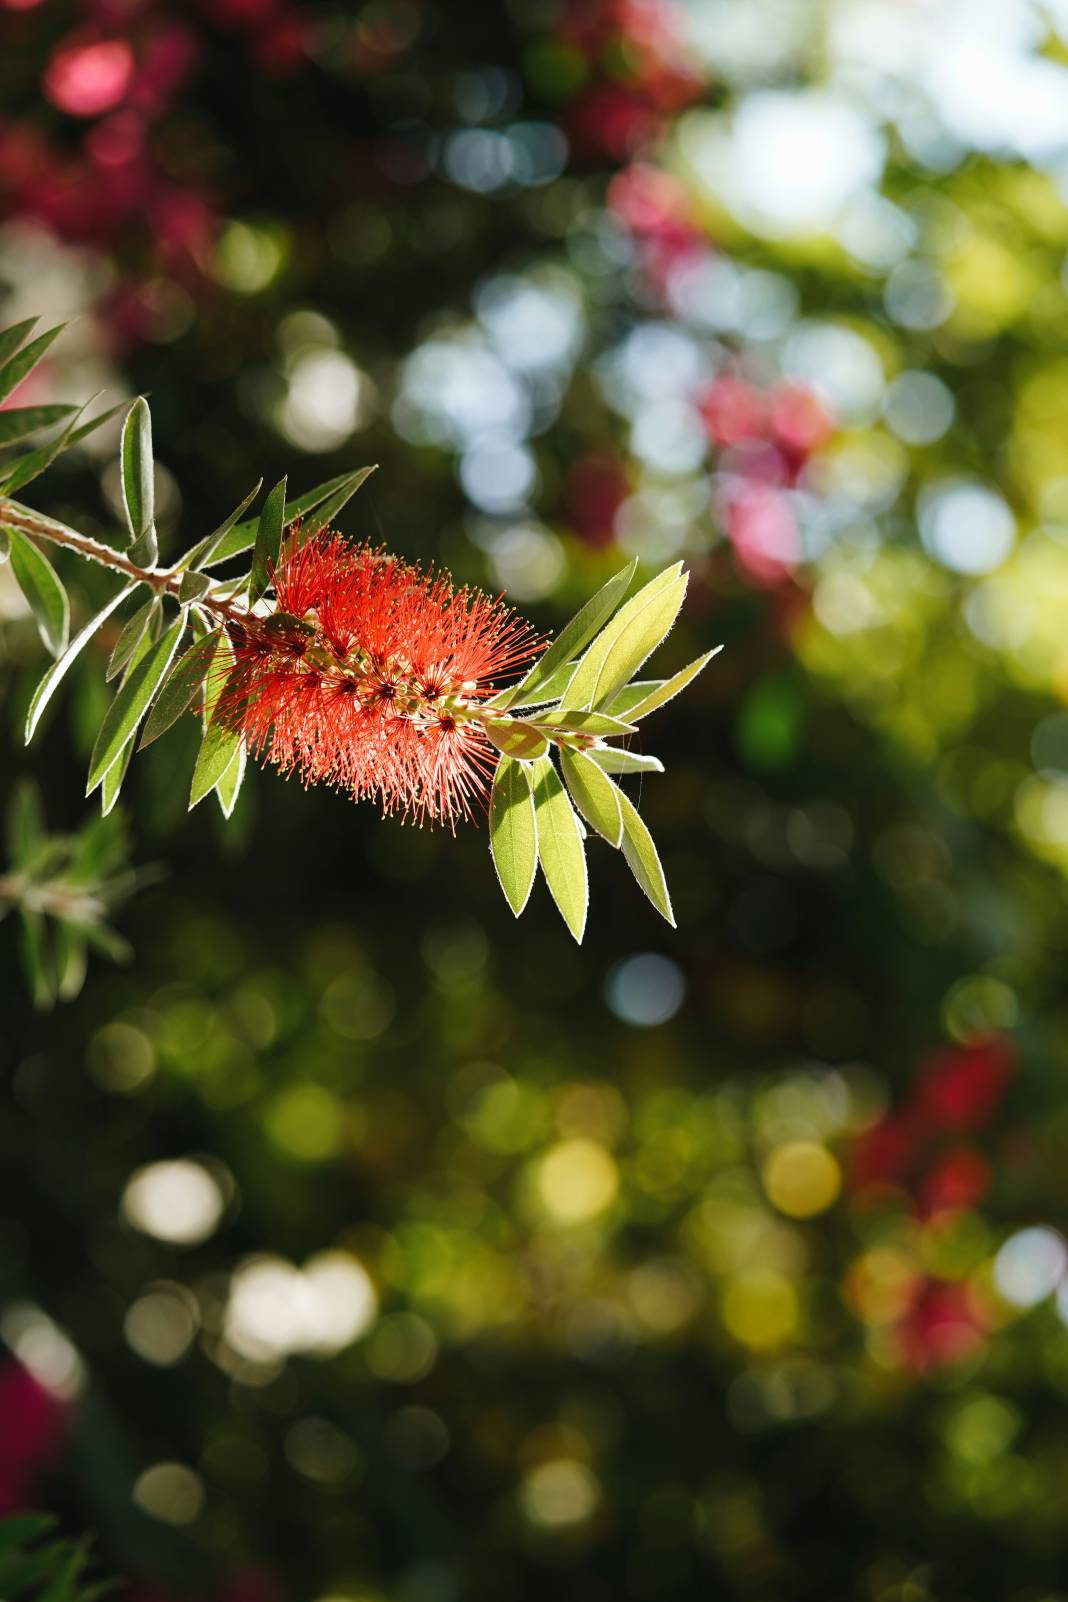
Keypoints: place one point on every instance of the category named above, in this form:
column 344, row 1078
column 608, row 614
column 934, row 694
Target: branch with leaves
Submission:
column 37, row 1566
column 351, row 667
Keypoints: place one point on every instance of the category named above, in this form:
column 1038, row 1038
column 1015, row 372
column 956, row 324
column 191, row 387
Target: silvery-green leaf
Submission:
column 181, row 686
column 243, row 535
column 513, row 832
column 132, row 702
column 571, row 639
column 560, row 849
column 631, row 694
column 551, row 690
column 23, row 470
column 229, row 786
column 667, row 691
column 11, row 338
column 594, row 794
column 324, row 515
column 643, row 859
column 621, row 648
column 18, row 422
column 138, row 482
column 612, row 759
column 193, row 587
column 268, row 540
column 206, row 551
column 5, row 546
column 577, row 721
column 112, row 781
column 44, row 593
column 518, row 740
column 49, row 684
column 18, row 367
column 132, row 630
column 220, row 742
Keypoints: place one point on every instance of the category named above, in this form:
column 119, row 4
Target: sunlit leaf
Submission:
column 513, row 832
column 11, row 338
column 621, row 648
column 551, row 690
column 220, row 742
column 50, row 683
column 24, row 469
column 229, row 786
column 643, row 859
column 579, row 722
column 325, row 514
column 132, row 702
column 243, row 535
column 206, row 551
column 571, row 638
column 560, row 849
column 667, row 690
column 113, row 779
column 612, row 759
column 268, row 540
column 44, row 593
column 138, row 484
column 594, row 794
column 518, row 740
column 180, row 687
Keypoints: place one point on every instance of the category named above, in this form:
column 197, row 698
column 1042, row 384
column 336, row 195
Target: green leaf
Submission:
column 44, row 593
column 643, row 860
column 24, row 469
column 220, row 743
column 138, row 483
column 25, row 825
column 631, row 694
column 16, row 423
column 268, row 540
column 16, row 368
column 113, row 781
column 243, row 535
column 180, row 687
column 560, row 851
column 669, row 688
column 333, row 504
column 193, row 587
column 623, row 646
column 131, row 703
column 204, row 553
column 594, row 794
column 612, row 759
column 5, row 546
column 578, row 722
column 36, row 959
column 71, row 958
column 11, row 338
column 572, row 637
column 513, row 832
column 130, row 636
column 551, row 690
column 517, row 740
column 50, row 683
column 229, row 786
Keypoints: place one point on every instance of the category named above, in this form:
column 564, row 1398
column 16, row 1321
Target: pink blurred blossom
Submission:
column 88, row 75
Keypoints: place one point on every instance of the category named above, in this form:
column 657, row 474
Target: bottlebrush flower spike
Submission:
column 368, row 676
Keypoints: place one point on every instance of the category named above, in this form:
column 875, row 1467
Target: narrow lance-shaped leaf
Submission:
column 268, row 540
column 560, row 849
column 44, row 593
column 181, row 686
column 36, row 958
column 243, row 535
column 50, row 683
column 594, row 794
column 205, row 551
column 229, row 786
column 643, row 859
column 571, row 638
column 112, row 781
column 577, row 721
column 513, row 832
column 18, row 367
column 17, row 422
column 11, row 338
column 24, row 830
column 220, row 742
column 138, row 486
column 71, row 959
column 333, row 504
column 543, row 694
column 5, row 546
column 130, row 635
column 516, row 739
column 622, row 647
column 131, row 703
column 670, row 688
column 24, row 469
column 613, row 759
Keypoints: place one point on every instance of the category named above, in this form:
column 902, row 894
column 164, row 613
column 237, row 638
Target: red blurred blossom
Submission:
column 596, row 488
column 732, row 411
column 281, row 48
column 763, row 531
column 957, row 1183
column 961, row 1087
column 799, row 422
column 613, row 120
column 656, row 210
column 33, row 1423
column 882, row 1155
column 88, row 74
column 941, row 1328
column 364, row 679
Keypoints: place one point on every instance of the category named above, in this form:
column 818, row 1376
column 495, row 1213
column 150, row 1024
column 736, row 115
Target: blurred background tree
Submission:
column 358, row 1243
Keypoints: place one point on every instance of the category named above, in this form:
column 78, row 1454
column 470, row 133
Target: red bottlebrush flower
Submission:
column 370, row 675
column 961, row 1087
column 958, row 1182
